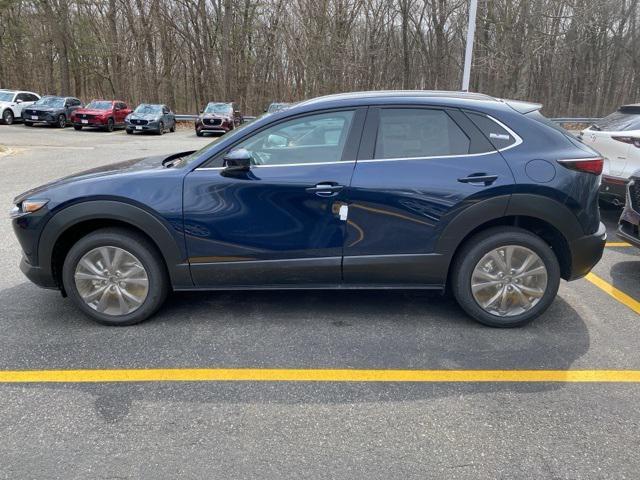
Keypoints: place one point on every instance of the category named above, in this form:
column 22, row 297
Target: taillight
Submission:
column 635, row 141
column 588, row 165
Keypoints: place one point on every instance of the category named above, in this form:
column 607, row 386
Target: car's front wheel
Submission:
column 110, row 125
column 7, row 117
column 505, row 277
column 62, row 121
column 160, row 128
column 115, row 276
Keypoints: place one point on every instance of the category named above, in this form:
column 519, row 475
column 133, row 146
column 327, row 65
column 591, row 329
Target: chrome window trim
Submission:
column 518, row 141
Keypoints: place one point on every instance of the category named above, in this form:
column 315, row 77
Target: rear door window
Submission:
column 418, row 133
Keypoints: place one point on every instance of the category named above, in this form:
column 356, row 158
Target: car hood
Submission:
column 113, row 169
column 43, row 109
column 145, row 116
column 92, row 112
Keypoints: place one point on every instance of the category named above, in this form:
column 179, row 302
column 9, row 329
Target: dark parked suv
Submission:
column 52, row 110
column 218, row 117
column 387, row 190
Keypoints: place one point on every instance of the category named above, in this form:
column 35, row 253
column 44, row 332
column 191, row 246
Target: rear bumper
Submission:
column 586, row 252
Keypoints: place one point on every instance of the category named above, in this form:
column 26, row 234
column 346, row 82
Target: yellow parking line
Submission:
column 317, row 375
column 617, row 244
column 619, row 295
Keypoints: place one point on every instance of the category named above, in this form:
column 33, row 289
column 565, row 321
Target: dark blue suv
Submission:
column 405, row 190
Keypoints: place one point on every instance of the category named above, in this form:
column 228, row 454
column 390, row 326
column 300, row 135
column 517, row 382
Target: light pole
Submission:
column 468, row 53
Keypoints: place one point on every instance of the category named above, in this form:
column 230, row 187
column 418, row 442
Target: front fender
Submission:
column 155, row 228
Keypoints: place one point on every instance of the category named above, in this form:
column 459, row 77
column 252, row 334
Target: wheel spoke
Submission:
column 120, row 291
column 509, row 280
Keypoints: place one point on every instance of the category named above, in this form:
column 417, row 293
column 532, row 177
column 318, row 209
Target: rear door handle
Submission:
column 326, row 189
column 479, row 178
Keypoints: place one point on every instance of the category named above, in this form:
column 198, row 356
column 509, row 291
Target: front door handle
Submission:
column 326, row 189
column 479, row 178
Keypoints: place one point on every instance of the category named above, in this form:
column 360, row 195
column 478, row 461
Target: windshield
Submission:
column 148, row 109
column 627, row 118
column 222, row 108
column 276, row 107
column 6, row 96
column 51, row 102
column 100, row 105
column 203, row 151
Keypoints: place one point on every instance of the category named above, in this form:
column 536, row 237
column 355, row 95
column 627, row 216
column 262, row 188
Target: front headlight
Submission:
column 28, row 206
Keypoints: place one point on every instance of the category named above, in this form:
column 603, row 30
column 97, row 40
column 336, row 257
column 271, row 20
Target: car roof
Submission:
column 456, row 99
column 18, row 91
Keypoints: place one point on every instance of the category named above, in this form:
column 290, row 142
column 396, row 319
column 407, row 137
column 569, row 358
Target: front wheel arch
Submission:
column 75, row 221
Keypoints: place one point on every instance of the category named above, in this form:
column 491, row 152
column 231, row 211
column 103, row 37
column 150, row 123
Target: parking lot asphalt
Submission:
column 320, row 429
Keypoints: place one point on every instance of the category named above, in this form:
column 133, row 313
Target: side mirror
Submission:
column 18, row 101
column 237, row 112
column 237, row 161
column 201, row 111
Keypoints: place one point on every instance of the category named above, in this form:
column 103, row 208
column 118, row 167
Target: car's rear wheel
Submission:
column 62, row 121
column 110, row 125
column 77, row 127
column 7, row 117
column 505, row 277
column 115, row 276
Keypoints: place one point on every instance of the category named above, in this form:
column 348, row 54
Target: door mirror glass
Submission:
column 237, row 160
column 19, row 100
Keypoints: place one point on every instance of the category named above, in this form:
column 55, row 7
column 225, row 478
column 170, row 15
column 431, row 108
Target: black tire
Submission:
column 28, row 124
column 199, row 133
column 110, row 125
column 129, row 131
column 77, row 127
column 472, row 252
column 160, row 128
column 7, row 117
column 173, row 128
column 143, row 250
column 62, row 121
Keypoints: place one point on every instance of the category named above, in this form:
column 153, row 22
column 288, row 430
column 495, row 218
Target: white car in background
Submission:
column 617, row 138
column 12, row 102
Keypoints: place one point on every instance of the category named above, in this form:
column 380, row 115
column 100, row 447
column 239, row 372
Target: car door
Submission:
column 417, row 169
column 280, row 222
column 21, row 101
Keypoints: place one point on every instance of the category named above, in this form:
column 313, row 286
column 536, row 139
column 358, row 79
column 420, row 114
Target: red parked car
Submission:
column 105, row 114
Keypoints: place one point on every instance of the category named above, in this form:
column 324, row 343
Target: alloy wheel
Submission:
column 111, row 280
column 7, row 117
column 509, row 281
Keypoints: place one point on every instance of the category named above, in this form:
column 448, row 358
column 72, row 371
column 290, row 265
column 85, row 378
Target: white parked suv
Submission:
column 617, row 138
column 12, row 102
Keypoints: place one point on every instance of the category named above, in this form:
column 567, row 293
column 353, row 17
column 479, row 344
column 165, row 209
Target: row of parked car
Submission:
column 59, row 111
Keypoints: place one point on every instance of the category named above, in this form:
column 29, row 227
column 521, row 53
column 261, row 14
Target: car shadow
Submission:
column 283, row 329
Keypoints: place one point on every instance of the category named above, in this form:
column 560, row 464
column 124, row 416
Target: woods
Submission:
column 578, row 57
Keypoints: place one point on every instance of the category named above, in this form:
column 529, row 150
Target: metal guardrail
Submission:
column 575, row 120
column 192, row 118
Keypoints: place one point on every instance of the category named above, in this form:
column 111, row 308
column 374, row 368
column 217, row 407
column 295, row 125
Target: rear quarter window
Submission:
column 499, row 137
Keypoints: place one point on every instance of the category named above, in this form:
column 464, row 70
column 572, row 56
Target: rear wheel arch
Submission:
column 542, row 216
column 74, row 222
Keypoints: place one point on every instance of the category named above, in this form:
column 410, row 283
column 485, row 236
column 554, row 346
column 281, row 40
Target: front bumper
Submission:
column 38, row 275
column 586, row 252
column 628, row 226
column 41, row 118
column 91, row 122
column 613, row 188
column 149, row 127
